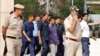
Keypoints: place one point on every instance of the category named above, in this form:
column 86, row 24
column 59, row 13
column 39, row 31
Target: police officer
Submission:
column 73, row 46
column 12, row 31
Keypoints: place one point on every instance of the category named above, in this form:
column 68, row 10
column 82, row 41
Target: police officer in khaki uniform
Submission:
column 11, row 29
column 73, row 46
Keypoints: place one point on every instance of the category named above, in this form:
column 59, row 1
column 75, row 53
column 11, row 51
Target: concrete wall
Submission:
column 5, row 7
column 95, row 17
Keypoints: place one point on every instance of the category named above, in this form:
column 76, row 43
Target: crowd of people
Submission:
column 45, row 33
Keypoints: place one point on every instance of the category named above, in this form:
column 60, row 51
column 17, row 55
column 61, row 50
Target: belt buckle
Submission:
column 17, row 37
column 71, row 39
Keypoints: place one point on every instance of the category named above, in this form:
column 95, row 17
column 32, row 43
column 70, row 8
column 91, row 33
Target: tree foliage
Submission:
column 64, row 10
column 31, row 6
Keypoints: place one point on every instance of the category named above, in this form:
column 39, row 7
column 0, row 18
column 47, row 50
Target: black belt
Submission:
column 71, row 39
column 13, row 37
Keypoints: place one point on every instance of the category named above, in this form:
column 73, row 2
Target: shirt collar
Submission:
column 34, row 22
column 84, row 21
column 14, row 16
column 29, row 22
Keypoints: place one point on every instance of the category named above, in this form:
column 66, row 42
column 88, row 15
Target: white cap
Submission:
column 19, row 6
column 74, row 8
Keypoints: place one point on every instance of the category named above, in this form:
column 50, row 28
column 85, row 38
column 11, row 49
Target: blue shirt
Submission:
column 53, row 34
column 43, row 27
column 35, row 31
column 60, row 30
column 28, row 28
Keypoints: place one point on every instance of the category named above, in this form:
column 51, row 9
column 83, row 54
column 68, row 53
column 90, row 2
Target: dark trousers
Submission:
column 28, row 51
column 45, row 47
column 37, row 46
column 30, row 45
column 85, row 46
column 60, row 50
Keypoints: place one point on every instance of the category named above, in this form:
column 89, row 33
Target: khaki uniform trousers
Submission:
column 73, row 48
column 13, row 47
column 2, row 45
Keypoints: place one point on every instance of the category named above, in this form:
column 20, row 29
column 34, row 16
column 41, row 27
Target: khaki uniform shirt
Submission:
column 77, row 33
column 13, row 25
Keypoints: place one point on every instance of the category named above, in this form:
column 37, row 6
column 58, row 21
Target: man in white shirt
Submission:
column 85, row 34
column 73, row 46
column 35, row 34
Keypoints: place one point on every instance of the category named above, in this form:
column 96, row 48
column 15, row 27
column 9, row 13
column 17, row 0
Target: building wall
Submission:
column 5, row 7
column 95, row 17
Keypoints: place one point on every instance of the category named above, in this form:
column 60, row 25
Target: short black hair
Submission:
column 84, row 14
column 31, row 15
column 52, row 19
column 79, row 16
column 44, row 14
column 37, row 16
column 58, row 17
column 15, row 8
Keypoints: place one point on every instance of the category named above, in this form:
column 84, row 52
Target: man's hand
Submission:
column 58, row 42
column 74, row 22
column 97, row 23
column 39, row 37
column 26, row 36
column 94, row 38
column 40, row 41
column 93, row 24
column 74, row 16
column 4, row 30
column 28, row 39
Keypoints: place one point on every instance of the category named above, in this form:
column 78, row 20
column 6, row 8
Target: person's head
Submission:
column 85, row 16
column 49, row 17
column 37, row 18
column 52, row 21
column 19, row 9
column 45, row 16
column 58, row 20
column 79, row 18
column 31, row 17
column 74, row 10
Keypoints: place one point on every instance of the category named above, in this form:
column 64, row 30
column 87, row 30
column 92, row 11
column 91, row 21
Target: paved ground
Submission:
column 94, row 48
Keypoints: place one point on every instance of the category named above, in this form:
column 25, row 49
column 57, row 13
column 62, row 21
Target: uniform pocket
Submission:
column 13, row 24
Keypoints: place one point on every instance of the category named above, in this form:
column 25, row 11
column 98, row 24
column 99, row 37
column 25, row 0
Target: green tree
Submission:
column 31, row 6
column 64, row 9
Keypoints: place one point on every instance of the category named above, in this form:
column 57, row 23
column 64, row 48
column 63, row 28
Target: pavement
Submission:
column 94, row 48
